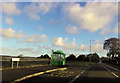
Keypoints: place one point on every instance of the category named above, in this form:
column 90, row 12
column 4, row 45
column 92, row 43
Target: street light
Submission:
column 90, row 46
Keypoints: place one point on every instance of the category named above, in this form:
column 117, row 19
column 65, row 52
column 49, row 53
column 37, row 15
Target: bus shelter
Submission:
column 58, row 58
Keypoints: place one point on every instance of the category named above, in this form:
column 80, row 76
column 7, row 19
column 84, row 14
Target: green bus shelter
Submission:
column 58, row 58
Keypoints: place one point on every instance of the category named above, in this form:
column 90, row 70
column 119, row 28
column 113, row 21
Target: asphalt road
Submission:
column 13, row 74
column 74, row 73
column 99, row 73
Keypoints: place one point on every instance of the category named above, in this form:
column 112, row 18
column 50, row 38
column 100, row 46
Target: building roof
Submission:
column 59, row 52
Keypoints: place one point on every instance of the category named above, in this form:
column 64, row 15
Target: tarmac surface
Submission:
column 75, row 73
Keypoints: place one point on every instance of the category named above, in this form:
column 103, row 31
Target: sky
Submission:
column 36, row 28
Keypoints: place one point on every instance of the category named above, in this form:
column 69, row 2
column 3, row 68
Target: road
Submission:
column 73, row 74
column 99, row 73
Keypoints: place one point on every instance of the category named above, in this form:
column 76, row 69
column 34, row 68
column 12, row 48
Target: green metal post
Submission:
column 60, row 59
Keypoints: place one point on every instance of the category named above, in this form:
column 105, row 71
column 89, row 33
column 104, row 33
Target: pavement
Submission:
column 97, row 72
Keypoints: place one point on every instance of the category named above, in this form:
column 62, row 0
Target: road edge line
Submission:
column 112, row 72
column 36, row 74
column 77, row 76
column 112, row 67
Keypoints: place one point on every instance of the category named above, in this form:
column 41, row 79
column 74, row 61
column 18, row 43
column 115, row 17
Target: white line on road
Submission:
column 107, row 69
column 111, row 72
column 36, row 74
column 77, row 76
column 112, row 68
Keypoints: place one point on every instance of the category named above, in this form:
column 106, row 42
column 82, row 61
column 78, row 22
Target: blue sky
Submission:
column 33, row 29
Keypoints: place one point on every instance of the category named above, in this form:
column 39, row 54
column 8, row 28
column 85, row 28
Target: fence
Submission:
column 24, row 62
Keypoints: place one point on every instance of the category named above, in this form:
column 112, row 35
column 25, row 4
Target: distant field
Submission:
column 78, row 63
column 7, row 64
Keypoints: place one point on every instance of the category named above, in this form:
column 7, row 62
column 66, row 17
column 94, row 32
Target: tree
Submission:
column 71, row 57
column 108, row 54
column 20, row 55
column 113, row 46
column 93, row 57
column 81, row 58
column 46, row 56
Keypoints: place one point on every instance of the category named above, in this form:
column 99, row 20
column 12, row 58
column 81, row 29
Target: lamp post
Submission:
column 90, row 50
column 90, row 46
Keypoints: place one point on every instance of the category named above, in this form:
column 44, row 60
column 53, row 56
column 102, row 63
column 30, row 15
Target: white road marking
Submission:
column 36, row 74
column 111, row 72
column 77, row 76
column 107, row 69
column 112, row 67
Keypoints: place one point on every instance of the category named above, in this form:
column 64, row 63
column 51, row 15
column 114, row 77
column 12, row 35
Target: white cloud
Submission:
column 43, row 38
column 93, row 16
column 58, row 41
column 82, row 47
column 36, row 38
column 116, row 30
column 19, row 35
column 97, row 47
column 9, row 21
column 32, row 38
column 10, row 33
column 10, row 9
column 71, row 45
column 105, row 31
column 72, row 29
column 35, row 9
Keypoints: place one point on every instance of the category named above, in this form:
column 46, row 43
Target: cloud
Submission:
column 93, row 16
column 116, row 30
column 36, row 38
column 106, row 31
column 71, row 45
column 9, row 21
column 9, row 33
column 25, row 49
column 43, row 38
column 34, row 10
column 59, row 41
column 10, row 9
column 6, row 49
column 97, row 47
column 31, row 38
column 72, row 29
column 82, row 47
